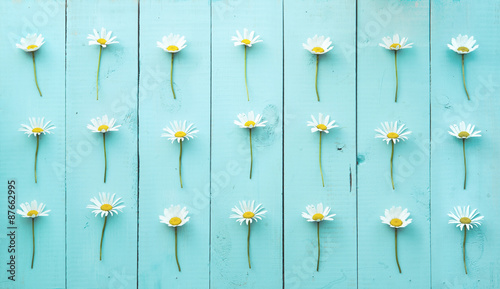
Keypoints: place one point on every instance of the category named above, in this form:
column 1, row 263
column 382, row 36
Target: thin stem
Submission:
column 251, row 153
column 320, row 169
column 465, row 164
column 102, row 236
column 176, row 259
column 105, row 159
column 465, row 237
column 396, row 65
column 172, row 75
column 36, row 153
column 319, row 251
column 34, row 70
column 396, row 247
column 248, row 246
column 33, row 232
column 392, row 156
column 98, row 68
column 246, row 84
column 316, row 82
column 463, row 76
column 180, row 162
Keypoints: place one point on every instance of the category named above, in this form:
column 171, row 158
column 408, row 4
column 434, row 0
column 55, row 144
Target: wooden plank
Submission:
column 449, row 106
column 230, row 144
column 375, row 104
column 159, row 171
column 303, row 186
column 118, row 98
column 20, row 100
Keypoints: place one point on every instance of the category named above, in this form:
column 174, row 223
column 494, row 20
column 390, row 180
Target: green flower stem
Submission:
column 36, row 152
column 465, row 237
column 176, row 259
column 33, row 232
column 320, row 169
column 251, row 152
column 319, row 251
column 102, row 237
column 246, row 84
column 172, row 74
column 392, row 157
column 248, row 246
column 34, row 70
column 98, row 68
column 105, row 159
column 180, row 163
column 396, row 247
column 396, row 66
column 465, row 164
column 463, row 76
column 316, row 82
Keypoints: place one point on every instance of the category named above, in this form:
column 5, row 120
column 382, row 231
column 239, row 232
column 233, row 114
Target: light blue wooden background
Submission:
column 356, row 83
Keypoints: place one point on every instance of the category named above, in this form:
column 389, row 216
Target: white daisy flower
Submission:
column 103, row 125
column 394, row 43
column 248, row 39
column 178, row 131
column 391, row 132
column 37, row 127
column 463, row 44
column 317, row 214
column 463, row 217
column 249, row 121
column 32, row 210
column 318, row 45
column 396, row 217
column 322, row 125
column 172, row 43
column 248, row 212
column 106, row 205
column 462, row 132
column 174, row 216
column 103, row 39
column 31, row 43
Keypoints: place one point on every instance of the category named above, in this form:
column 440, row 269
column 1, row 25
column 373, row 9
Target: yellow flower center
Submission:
column 245, row 41
column 248, row 215
column 465, row 220
column 106, row 207
column 318, row 49
column 101, row 41
column 250, row 123
column 172, row 48
column 180, row 134
column 321, row 126
column 318, row 216
column 103, row 128
column 32, row 46
column 463, row 49
column 392, row 135
column 175, row 221
column 395, row 46
column 32, row 212
column 463, row 134
column 396, row 222
column 37, row 130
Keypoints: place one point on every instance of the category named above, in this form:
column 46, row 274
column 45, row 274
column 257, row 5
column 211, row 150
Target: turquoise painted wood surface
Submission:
column 356, row 85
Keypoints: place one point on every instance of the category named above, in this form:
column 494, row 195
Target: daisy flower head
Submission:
column 178, row 131
column 172, row 43
column 248, row 212
column 317, row 214
column 396, row 217
column 463, row 132
column 463, row 217
column 247, row 39
column 391, row 132
column 395, row 43
column 103, row 39
column 249, row 121
column 103, row 125
column 318, row 44
column 463, row 44
column 31, row 43
column 32, row 210
column 322, row 125
column 174, row 216
column 106, row 204
column 37, row 127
